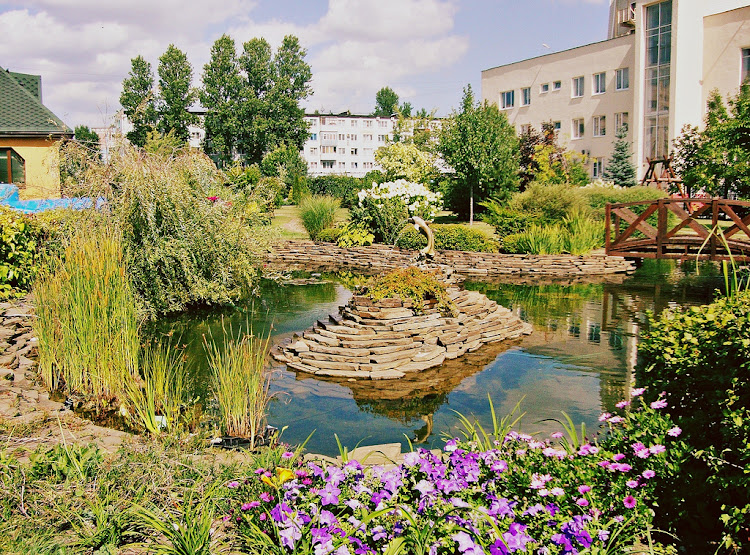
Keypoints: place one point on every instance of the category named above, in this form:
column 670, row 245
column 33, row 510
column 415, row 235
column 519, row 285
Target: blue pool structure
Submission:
column 9, row 197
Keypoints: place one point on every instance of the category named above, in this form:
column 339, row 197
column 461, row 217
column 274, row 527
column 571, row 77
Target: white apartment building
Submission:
column 654, row 72
column 346, row 144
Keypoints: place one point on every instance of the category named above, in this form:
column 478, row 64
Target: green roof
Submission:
column 22, row 113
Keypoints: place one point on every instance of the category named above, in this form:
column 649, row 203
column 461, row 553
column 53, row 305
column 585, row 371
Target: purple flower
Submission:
column 424, row 487
column 251, row 505
column 629, row 501
column 615, row 420
column 604, row 464
column 584, row 489
column 466, row 544
column 265, row 496
column 499, row 466
column 515, row 538
column 648, row 474
column 411, row 458
column 327, row 518
column 330, row 495
column 498, row 548
column 582, row 502
column 660, row 404
column 618, row 457
column 603, row 535
column 674, row 432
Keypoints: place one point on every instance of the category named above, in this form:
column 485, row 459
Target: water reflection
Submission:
column 579, row 359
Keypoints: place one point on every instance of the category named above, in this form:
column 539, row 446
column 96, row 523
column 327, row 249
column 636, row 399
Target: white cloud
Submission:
column 83, row 48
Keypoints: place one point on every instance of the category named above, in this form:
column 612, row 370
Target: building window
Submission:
column 657, row 79
column 313, row 165
column 526, row 96
column 544, row 88
column 524, row 129
column 578, row 128
column 368, row 123
column 366, row 165
column 383, row 123
column 367, row 137
column 313, row 136
column 351, row 137
column 557, row 125
column 621, row 118
column 328, row 136
column 600, row 126
column 313, row 150
column 600, row 83
column 353, row 152
column 342, row 137
column 382, row 138
column 557, row 85
column 507, row 99
column 354, row 123
column 622, row 79
column 577, row 87
column 597, row 169
column 328, row 150
column 354, row 165
column 745, row 72
column 342, row 165
column 12, row 167
column 327, row 164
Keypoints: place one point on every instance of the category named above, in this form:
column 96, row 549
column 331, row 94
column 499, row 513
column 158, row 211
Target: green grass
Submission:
column 287, row 222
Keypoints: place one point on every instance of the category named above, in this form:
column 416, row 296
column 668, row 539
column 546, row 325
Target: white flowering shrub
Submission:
column 385, row 208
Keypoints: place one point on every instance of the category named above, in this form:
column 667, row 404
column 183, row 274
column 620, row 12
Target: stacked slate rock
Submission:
column 18, row 346
column 387, row 338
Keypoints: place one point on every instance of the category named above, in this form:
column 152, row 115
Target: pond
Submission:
column 579, row 359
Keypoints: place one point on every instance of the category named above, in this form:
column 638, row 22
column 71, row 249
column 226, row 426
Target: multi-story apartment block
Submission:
column 654, row 72
column 346, row 144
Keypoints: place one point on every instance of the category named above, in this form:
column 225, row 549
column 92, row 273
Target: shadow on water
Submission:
column 579, row 359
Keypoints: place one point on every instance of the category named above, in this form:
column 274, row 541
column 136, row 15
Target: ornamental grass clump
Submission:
column 414, row 285
column 241, row 381
column 523, row 494
column 318, row 212
column 87, row 322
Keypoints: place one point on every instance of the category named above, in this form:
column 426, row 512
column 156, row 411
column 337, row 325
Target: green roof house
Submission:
column 28, row 132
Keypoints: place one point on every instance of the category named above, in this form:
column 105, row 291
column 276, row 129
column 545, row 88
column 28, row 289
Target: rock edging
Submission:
column 310, row 256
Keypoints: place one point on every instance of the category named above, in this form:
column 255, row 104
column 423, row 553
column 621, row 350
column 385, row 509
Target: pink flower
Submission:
column 674, row 432
column 251, row 505
column 615, row 420
column 618, row 457
column 584, row 489
column 622, row 404
column 603, row 464
column 213, row 199
column 287, row 455
column 656, row 449
column 582, row 502
column 557, row 435
column 629, row 501
column 557, row 492
column 660, row 404
column 638, row 391
column 648, row 474
column 262, row 516
column 604, row 416
column 265, row 496
column 233, row 485
column 632, row 483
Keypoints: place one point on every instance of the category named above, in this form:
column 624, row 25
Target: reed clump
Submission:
column 241, row 382
column 87, row 322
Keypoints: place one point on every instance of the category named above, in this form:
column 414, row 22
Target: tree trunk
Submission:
column 471, row 204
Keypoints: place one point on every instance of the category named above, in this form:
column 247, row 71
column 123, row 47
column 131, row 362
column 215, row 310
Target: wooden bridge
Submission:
column 692, row 228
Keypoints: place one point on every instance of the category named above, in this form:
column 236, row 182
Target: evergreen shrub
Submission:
column 454, row 237
column 344, row 188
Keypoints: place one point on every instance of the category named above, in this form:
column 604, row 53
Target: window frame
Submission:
column 544, row 88
column 620, row 81
column 507, row 100
column 526, row 96
column 557, row 85
column 599, row 83
column 576, row 83
column 599, row 126
column 9, row 152
column 578, row 128
column 597, row 169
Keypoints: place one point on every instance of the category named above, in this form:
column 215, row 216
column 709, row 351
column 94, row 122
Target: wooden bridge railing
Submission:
column 693, row 237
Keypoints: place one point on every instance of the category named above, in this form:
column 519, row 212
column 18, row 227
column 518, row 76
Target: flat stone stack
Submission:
column 387, row 339
column 18, row 346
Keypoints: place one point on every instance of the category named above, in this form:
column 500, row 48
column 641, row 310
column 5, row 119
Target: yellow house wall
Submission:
column 42, row 175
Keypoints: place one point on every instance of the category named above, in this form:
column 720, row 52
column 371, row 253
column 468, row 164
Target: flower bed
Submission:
column 500, row 492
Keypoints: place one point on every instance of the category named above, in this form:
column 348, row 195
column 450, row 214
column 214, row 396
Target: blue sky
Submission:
column 426, row 50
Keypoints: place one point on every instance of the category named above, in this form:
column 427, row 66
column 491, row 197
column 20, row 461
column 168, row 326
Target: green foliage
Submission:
column 577, row 235
column 220, row 95
column 406, row 161
column 163, row 144
column 508, row 221
column 240, row 381
column 241, row 178
column 716, row 159
column 176, row 94
column 287, row 164
column 482, row 147
column 386, row 102
column 87, row 304
column 384, row 217
column 453, row 237
column 598, row 197
column 544, row 161
column 76, row 165
column 87, row 138
column 137, row 100
column 330, row 235
column 65, row 463
column 700, row 357
column 414, row 285
column 318, row 213
column 551, row 202
column 19, row 252
column 620, row 168
column 353, row 235
column 180, row 247
column 342, row 187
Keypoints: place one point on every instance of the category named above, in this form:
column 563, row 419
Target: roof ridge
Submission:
column 21, row 113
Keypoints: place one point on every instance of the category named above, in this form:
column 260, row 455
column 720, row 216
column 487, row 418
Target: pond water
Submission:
column 579, row 359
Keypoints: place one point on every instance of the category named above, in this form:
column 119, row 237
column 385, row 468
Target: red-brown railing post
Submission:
column 714, row 224
column 661, row 228
column 607, row 222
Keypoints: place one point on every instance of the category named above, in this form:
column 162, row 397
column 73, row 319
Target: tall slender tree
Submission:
column 220, row 96
column 137, row 100
column 176, row 94
column 482, row 147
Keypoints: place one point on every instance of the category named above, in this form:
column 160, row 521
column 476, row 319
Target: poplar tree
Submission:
column 137, row 100
column 620, row 168
column 176, row 94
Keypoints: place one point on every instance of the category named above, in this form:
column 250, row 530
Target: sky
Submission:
column 425, row 50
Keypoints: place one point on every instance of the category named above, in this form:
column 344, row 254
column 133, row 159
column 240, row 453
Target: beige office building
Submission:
column 654, row 72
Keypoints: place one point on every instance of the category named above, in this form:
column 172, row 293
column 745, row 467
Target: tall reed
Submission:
column 87, row 321
column 241, row 381
column 158, row 402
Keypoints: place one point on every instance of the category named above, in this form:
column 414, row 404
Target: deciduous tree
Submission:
column 137, row 100
column 176, row 94
column 482, row 147
column 386, row 102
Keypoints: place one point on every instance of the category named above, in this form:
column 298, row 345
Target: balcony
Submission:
column 626, row 16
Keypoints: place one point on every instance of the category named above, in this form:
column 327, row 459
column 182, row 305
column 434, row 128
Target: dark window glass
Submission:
column 12, row 167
